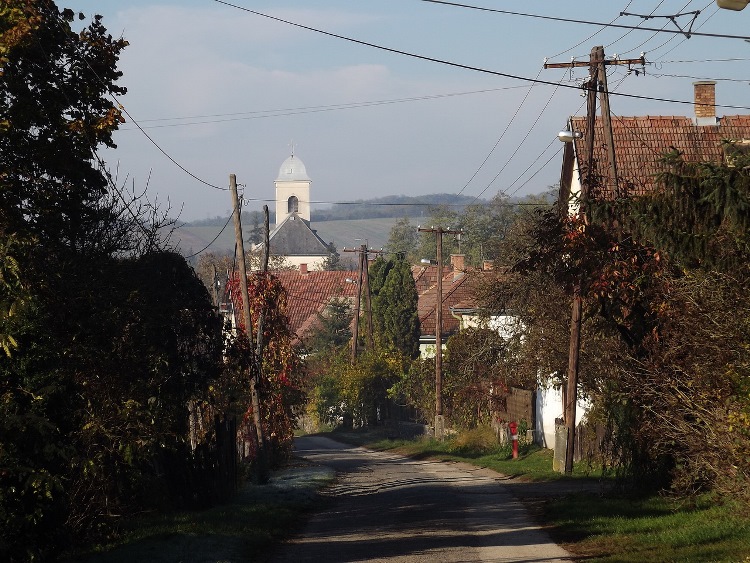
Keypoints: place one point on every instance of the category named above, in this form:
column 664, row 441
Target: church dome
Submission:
column 292, row 170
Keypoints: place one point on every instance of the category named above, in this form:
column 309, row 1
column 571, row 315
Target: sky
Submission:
column 216, row 89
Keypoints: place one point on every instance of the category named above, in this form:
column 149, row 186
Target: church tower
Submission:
column 292, row 190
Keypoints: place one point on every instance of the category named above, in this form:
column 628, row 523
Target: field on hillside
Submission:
column 344, row 233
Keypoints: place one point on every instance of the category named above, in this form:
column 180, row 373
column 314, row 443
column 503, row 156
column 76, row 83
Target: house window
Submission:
column 293, row 205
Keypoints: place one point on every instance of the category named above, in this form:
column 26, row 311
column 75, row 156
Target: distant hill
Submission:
column 394, row 206
column 343, row 233
column 345, row 225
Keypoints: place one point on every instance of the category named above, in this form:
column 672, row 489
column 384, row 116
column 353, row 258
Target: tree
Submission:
column 333, row 328
column 395, row 308
column 114, row 337
column 279, row 367
column 56, row 111
column 402, row 240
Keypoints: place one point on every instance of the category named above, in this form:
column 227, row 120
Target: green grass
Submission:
column 533, row 463
column 245, row 529
column 612, row 528
column 653, row 529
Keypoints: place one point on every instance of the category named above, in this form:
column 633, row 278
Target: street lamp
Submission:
column 569, row 136
column 736, row 5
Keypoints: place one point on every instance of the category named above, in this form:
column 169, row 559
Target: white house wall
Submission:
column 549, row 406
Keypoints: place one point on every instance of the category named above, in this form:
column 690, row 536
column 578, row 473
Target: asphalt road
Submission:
column 385, row 507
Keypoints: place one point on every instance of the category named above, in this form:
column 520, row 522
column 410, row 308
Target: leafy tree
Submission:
column 395, row 317
column 114, row 338
column 402, row 240
column 56, row 110
column 333, row 261
column 279, row 369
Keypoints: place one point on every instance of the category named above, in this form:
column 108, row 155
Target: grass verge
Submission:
column 596, row 527
column 245, row 529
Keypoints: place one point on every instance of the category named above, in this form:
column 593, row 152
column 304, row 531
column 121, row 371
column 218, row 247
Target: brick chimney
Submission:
column 457, row 261
column 303, row 269
column 705, row 102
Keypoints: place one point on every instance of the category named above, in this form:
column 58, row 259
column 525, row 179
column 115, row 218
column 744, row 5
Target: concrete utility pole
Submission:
column 439, row 419
column 262, row 461
column 597, row 82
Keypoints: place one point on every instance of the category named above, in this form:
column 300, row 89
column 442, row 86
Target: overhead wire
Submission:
column 716, row 10
column 571, row 20
column 459, row 65
column 624, row 35
column 202, row 250
column 492, row 150
column 593, row 34
column 258, row 114
column 124, row 110
column 518, row 147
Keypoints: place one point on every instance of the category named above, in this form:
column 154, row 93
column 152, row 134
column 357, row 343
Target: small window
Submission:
column 293, row 205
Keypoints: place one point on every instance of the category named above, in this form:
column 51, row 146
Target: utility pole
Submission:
column 363, row 284
column 262, row 461
column 597, row 82
column 439, row 419
column 357, row 303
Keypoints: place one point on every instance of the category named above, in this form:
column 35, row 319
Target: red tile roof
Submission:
column 458, row 292
column 309, row 294
column 641, row 141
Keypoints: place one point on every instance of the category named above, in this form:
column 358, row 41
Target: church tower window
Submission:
column 293, row 205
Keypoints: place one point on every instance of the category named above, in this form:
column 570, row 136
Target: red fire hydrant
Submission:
column 514, row 438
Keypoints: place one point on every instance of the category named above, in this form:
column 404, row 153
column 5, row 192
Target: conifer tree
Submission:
column 395, row 309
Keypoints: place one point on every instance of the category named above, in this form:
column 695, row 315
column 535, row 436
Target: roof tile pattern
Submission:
column 641, row 141
column 458, row 291
column 308, row 294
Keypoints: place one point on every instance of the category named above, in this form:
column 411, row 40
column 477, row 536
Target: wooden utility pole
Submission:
column 439, row 418
column 363, row 284
column 597, row 83
column 357, row 304
column 262, row 461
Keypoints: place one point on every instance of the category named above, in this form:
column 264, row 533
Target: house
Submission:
column 293, row 238
column 455, row 289
column 310, row 292
column 639, row 142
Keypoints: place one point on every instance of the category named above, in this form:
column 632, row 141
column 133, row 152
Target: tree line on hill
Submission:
column 382, row 207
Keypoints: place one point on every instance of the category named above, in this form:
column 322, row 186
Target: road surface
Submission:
column 384, row 507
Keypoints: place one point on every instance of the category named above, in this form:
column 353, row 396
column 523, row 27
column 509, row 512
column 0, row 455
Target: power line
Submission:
column 464, row 66
column 592, row 35
column 728, row 60
column 492, row 150
column 570, row 20
column 370, row 203
column 214, row 239
column 262, row 114
column 122, row 108
column 716, row 10
column 518, row 147
column 662, row 75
